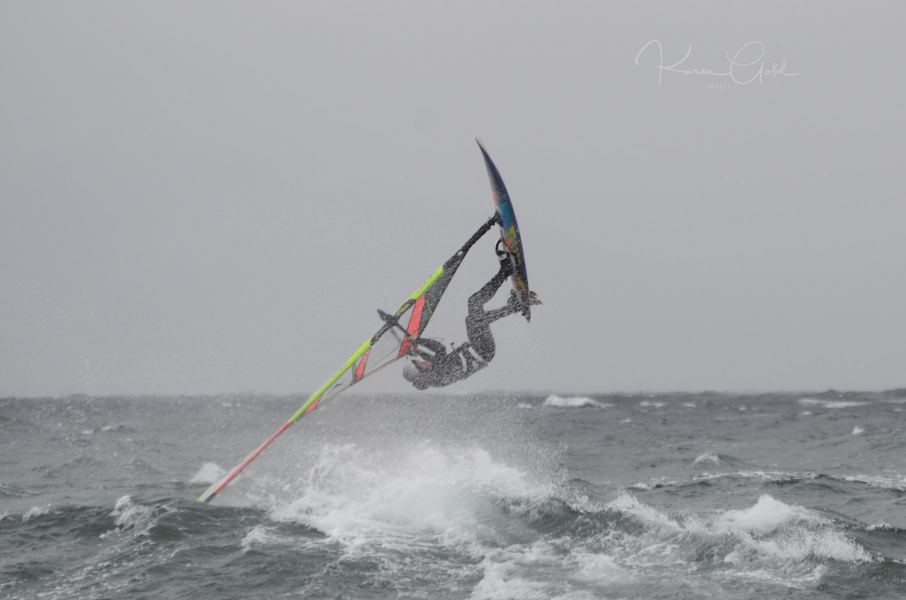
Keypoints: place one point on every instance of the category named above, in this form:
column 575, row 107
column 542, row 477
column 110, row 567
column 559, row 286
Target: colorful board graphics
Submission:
column 509, row 233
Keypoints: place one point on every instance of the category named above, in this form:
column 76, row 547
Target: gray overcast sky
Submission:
column 215, row 196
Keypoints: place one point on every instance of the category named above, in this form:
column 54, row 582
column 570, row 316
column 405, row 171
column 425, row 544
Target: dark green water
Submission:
column 660, row 496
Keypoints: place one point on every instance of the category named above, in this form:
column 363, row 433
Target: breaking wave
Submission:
column 767, row 535
column 573, row 402
column 831, row 404
column 512, row 529
column 361, row 499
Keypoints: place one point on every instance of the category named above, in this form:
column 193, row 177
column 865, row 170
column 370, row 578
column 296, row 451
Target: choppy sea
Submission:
column 461, row 497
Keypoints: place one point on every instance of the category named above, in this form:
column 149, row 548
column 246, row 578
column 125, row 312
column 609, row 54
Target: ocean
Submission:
column 518, row 496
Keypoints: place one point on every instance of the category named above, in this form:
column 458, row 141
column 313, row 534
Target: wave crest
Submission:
column 770, row 530
column 573, row 402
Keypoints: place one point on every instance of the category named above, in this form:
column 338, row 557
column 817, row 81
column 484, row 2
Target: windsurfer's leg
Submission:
column 478, row 322
column 498, row 313
column 478, row 330
column 487, row 291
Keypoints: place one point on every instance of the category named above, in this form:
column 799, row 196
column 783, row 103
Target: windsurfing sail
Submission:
column 380, row 350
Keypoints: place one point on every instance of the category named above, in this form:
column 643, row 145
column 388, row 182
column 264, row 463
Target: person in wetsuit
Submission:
column 433, row 365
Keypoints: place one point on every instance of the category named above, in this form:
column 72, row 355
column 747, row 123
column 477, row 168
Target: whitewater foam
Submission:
column 129, row 515
column 772, row 476
column 525, row 571
column 573, row 402
column 501, row 579
column 707, row 457
column 208, row 474
column 770, row 530
column 832, row 404
column 364, row 500
column 596, row 566
column 35, row 511
column 765, row 516
column 628, row 504
column 651, row 484
column 897, row 482
column 258, row 536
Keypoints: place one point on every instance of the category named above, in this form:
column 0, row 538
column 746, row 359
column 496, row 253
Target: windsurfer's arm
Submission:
column 436, row 348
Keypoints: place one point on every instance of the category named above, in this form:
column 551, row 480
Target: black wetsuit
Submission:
column 440, row 367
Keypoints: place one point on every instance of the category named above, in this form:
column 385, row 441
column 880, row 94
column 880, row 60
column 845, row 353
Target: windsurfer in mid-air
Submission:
column 429, row 363
column 432, row 365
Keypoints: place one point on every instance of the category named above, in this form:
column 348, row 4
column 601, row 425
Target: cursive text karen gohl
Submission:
column 745, row 67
